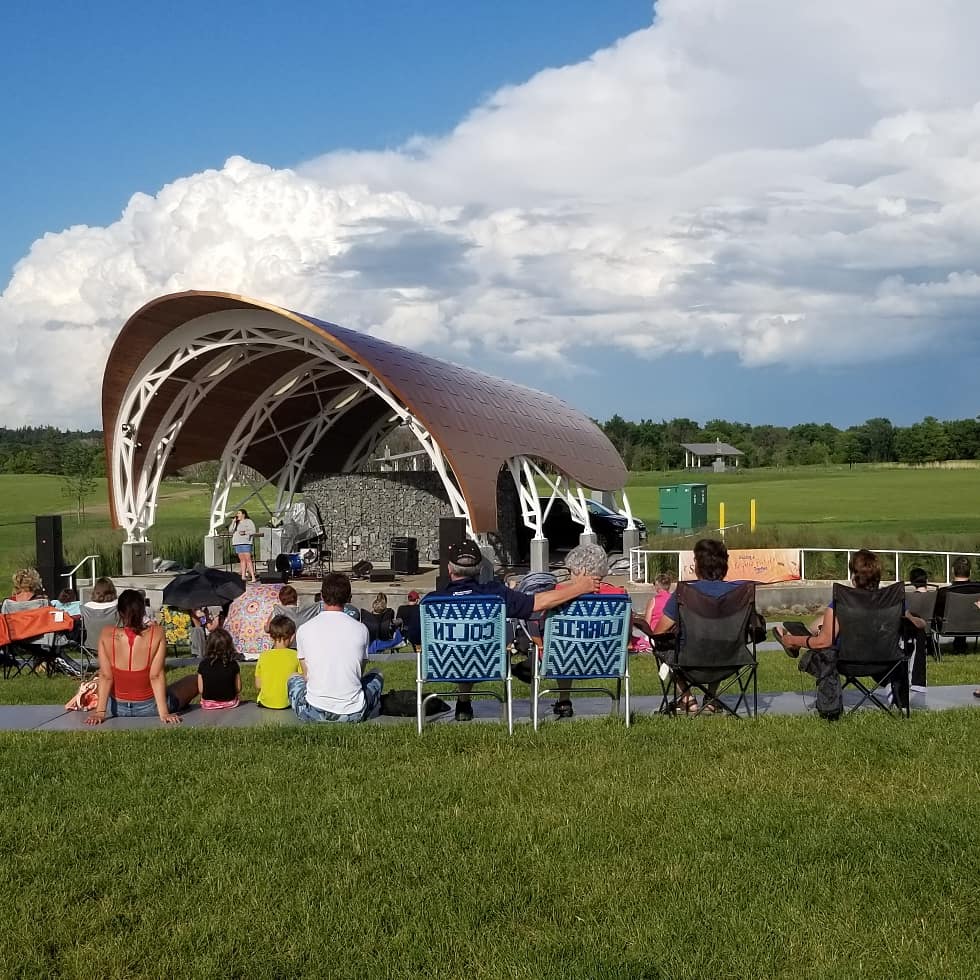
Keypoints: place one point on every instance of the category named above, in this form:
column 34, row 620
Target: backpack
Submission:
column 402, row 704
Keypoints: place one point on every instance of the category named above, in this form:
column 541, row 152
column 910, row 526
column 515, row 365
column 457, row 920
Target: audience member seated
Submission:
column 710, row 567
column 288, row 605
column 916, row 633
column 67, row 601
column 465, row 561
column 332, row 650
column 104, row 595
column 381, row 626
column 219, row 678
column 588, row 561
column 27, row 585
column 411, row 620
column 132, row 679
column 962, row 571
column 821, row 658
column 276, row 666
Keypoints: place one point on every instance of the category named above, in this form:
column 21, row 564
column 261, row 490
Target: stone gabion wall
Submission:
column 379, row 506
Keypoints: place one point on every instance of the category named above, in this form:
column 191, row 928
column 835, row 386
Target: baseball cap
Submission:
column 467, row 554
column 413, row 596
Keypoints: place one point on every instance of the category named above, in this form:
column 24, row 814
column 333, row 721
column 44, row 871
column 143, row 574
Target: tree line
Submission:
column 649, row 445
column 78, row 455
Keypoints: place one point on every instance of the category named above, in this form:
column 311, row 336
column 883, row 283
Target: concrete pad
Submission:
column 24, row 717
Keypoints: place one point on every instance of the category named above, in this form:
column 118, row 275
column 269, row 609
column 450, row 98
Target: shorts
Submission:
column 138, row 709
column 243, row 549
column 208, row 705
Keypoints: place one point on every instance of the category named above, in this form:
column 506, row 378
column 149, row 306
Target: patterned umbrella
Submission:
column 247, row 618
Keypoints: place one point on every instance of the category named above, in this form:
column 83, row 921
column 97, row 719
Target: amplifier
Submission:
column 381, row 575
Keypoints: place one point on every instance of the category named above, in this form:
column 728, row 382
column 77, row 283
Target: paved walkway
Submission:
column 54, row 718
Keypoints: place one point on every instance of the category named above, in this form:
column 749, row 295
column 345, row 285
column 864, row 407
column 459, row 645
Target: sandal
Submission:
column 712, row 706
column 686, row 704
column 976, row 693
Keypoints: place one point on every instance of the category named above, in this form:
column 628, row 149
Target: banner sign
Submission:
column 759, row 565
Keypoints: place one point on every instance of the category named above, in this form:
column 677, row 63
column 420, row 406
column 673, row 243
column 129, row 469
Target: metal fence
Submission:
column 896, row 563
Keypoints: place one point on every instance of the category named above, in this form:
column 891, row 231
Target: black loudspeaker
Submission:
column 273, row 578
column 361, row 569
column 47, row 536
column 452, row 530
column 50, row 560
column 381, row 575
column 405, row 560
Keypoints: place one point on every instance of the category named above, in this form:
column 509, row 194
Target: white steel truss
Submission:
column 228, row 341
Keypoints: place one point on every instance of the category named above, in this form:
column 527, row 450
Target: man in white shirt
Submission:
column 332, row 649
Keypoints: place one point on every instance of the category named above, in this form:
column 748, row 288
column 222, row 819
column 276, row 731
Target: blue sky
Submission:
column 750, row 211
column 107, row 100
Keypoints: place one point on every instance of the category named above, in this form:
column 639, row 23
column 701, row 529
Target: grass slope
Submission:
column 781, row 848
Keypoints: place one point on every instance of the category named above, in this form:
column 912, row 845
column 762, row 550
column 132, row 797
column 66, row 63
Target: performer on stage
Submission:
column 242, row 528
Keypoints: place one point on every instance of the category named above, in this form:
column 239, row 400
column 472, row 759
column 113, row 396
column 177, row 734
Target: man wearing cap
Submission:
column 411, row 624
column 465, row 560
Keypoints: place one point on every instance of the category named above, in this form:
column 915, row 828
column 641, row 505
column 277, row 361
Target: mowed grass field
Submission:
column 877, row 507
column 682, row 848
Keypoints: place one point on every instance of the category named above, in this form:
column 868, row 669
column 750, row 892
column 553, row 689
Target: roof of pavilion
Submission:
column 478, row 421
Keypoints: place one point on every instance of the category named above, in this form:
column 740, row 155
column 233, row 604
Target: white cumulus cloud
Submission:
column 785, row 182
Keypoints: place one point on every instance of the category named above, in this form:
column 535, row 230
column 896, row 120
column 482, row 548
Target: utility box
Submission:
column 683, row 507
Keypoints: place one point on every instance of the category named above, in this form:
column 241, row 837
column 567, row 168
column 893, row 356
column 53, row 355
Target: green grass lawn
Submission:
column 866, row 506
column 781, row 848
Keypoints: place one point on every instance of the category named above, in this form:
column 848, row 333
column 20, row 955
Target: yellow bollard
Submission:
column 752, row 515
column 721, row 518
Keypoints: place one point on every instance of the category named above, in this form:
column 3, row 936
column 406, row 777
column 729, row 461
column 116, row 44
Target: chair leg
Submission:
column 510, row 704
column 626, row 683
column 534, row 700
column 419, row 710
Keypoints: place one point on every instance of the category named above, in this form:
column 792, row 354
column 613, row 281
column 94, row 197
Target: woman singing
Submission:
column 242, row 528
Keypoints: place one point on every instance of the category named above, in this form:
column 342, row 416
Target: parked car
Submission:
column 608, row 525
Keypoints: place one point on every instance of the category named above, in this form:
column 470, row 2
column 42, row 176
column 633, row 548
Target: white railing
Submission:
column 91, row 559
column 640, row 560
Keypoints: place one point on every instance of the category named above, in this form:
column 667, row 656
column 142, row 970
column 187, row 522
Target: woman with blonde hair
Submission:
column 27, row 585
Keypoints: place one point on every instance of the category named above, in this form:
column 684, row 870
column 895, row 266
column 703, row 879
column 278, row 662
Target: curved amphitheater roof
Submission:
column 188, row 368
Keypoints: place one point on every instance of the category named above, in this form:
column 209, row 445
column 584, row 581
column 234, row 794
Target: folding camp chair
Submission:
column 923, row 605
column 34, row 632
column 957, row 611
column 868, row 628
column 94, row 621
column 464, row 641
column 714, row 646
column 586, row 640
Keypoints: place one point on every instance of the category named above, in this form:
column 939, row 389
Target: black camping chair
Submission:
column 868, row 627
column 714, row 644
column 923, row 605
column 957, row 611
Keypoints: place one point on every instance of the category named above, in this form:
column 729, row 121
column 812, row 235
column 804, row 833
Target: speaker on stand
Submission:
column 452, row 530
column 48, row 548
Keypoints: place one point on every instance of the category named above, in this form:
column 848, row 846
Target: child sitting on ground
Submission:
column 277, row 665
column 219, row 678
column 288, row 605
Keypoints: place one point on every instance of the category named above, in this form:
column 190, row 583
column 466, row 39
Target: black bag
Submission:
column 402, row 704
column 757, row 627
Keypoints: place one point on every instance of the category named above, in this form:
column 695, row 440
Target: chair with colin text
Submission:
column 586, row 640
column 464, row 641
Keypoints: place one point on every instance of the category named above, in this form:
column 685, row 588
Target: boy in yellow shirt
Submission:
column 277, row 665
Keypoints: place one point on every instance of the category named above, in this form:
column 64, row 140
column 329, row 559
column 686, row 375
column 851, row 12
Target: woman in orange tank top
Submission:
column 132, row 682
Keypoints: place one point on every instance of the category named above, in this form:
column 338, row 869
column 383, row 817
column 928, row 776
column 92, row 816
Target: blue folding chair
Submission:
column 586, row 640
column 464, row 641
